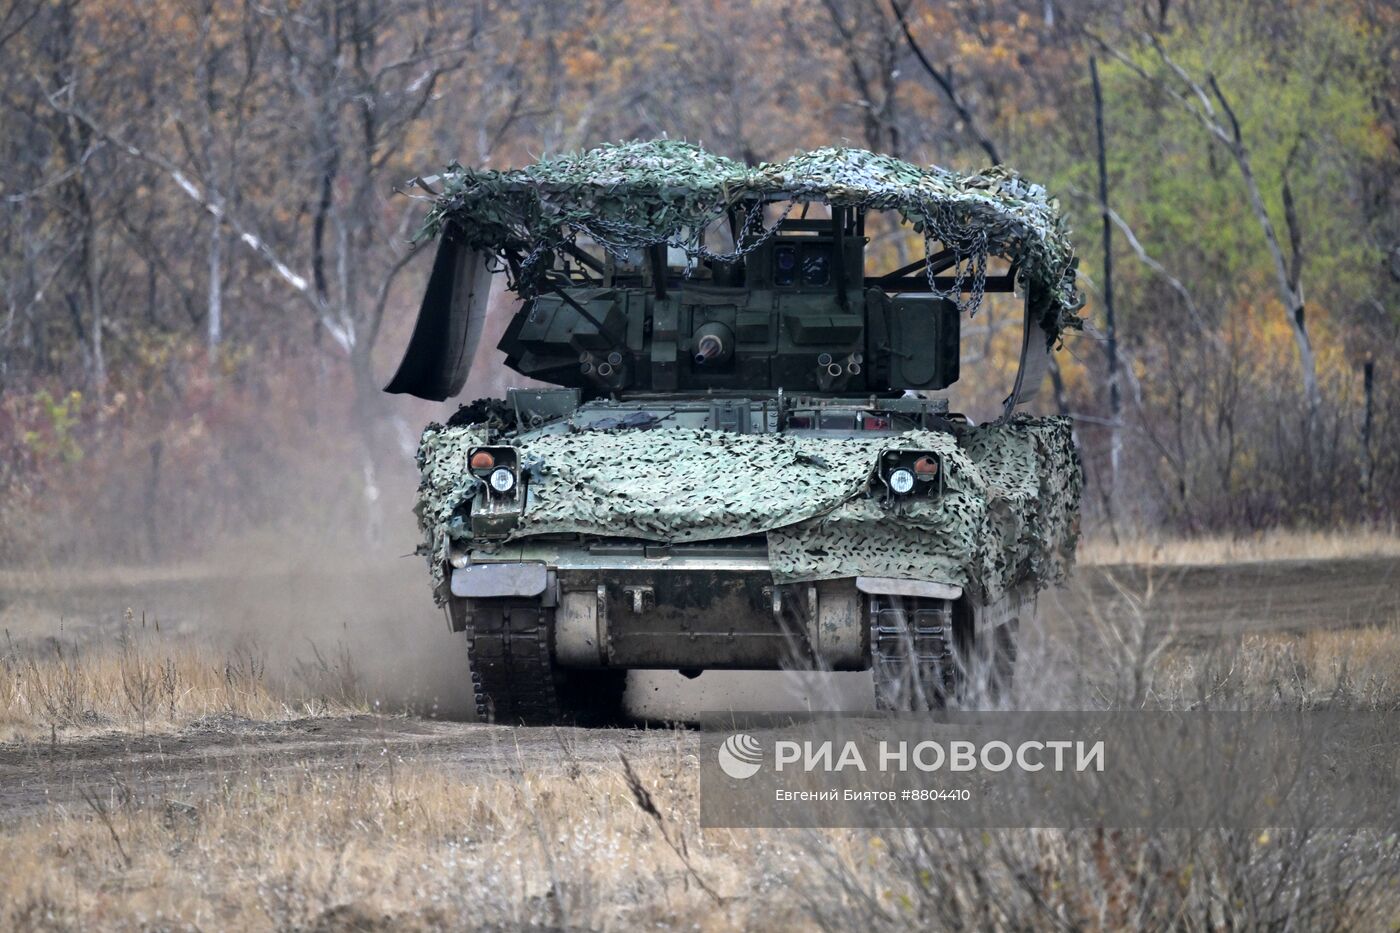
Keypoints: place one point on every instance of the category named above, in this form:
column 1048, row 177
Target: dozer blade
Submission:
column 449, row 326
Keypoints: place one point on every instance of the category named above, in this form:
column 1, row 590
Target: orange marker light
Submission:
column 481, row 460
column 926, row 466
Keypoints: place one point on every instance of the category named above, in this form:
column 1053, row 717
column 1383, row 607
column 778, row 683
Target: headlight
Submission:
column 914, row 473
column 503, row 480
column 458, row 556
column 499, row 501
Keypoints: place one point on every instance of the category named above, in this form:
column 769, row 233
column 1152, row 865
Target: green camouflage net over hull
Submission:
column 1011, row 517
column 1007, row 514
column 636, row 194
column 446, row 490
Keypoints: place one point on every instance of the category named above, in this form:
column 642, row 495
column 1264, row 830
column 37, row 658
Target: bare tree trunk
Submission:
column 92, row 270
column 1368, row 385
column 374, row 424
column 870, row 71
column 215, row 322
column 944, row 80
column 1289, row 275
column 1115, row 401
column 157, row 449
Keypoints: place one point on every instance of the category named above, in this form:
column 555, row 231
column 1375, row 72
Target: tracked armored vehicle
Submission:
column 733, row 453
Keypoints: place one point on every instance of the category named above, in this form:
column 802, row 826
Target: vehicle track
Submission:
column 1201, row 602
column 186, row 765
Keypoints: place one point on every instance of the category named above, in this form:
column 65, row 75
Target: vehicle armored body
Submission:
column 739, row 458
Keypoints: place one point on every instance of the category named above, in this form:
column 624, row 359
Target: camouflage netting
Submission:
column 636, row 194
column 1007, row 513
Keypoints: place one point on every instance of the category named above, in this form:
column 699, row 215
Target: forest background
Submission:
column 207, row 266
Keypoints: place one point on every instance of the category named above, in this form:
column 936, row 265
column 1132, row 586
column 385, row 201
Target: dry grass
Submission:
column 1097, row 880
column 1125, row 657
column 1128, row 650
column 141, row 680
column 1228, row 549
column 383, row 843
column 1354, row 669
column 379, row 845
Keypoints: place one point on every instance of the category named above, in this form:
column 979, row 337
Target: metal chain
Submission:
column 970, row 254
column 526, row 283
column 618, row 238
column 755, row 213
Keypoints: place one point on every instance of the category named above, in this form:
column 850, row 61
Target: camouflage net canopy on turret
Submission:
column 1007, row 514
column 638, row 194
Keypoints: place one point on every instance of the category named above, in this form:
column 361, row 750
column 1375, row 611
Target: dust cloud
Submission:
column 354, row 616
column 374, row 613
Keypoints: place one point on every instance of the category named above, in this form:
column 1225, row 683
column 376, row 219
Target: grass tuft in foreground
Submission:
column 141, row 680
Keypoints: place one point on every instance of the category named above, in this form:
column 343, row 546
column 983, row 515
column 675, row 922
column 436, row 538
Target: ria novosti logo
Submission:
column 740, row 756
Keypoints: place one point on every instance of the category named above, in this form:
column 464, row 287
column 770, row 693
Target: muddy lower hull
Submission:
column 553, row 631
column 698, row 606
column 675, row 607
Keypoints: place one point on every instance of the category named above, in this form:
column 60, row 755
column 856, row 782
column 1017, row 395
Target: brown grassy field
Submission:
column 141, row 681
column 1332, row 544
column 410, row 847
column 184, row 778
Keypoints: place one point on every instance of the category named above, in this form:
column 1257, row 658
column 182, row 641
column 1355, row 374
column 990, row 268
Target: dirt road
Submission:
column 187, row 765
column 1203, row 602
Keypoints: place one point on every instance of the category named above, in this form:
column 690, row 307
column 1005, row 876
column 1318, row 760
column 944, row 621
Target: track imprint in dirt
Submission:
column 188, row 764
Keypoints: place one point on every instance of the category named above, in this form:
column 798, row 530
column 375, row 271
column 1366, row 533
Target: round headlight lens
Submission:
column 901, row 481
column 503, row 480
